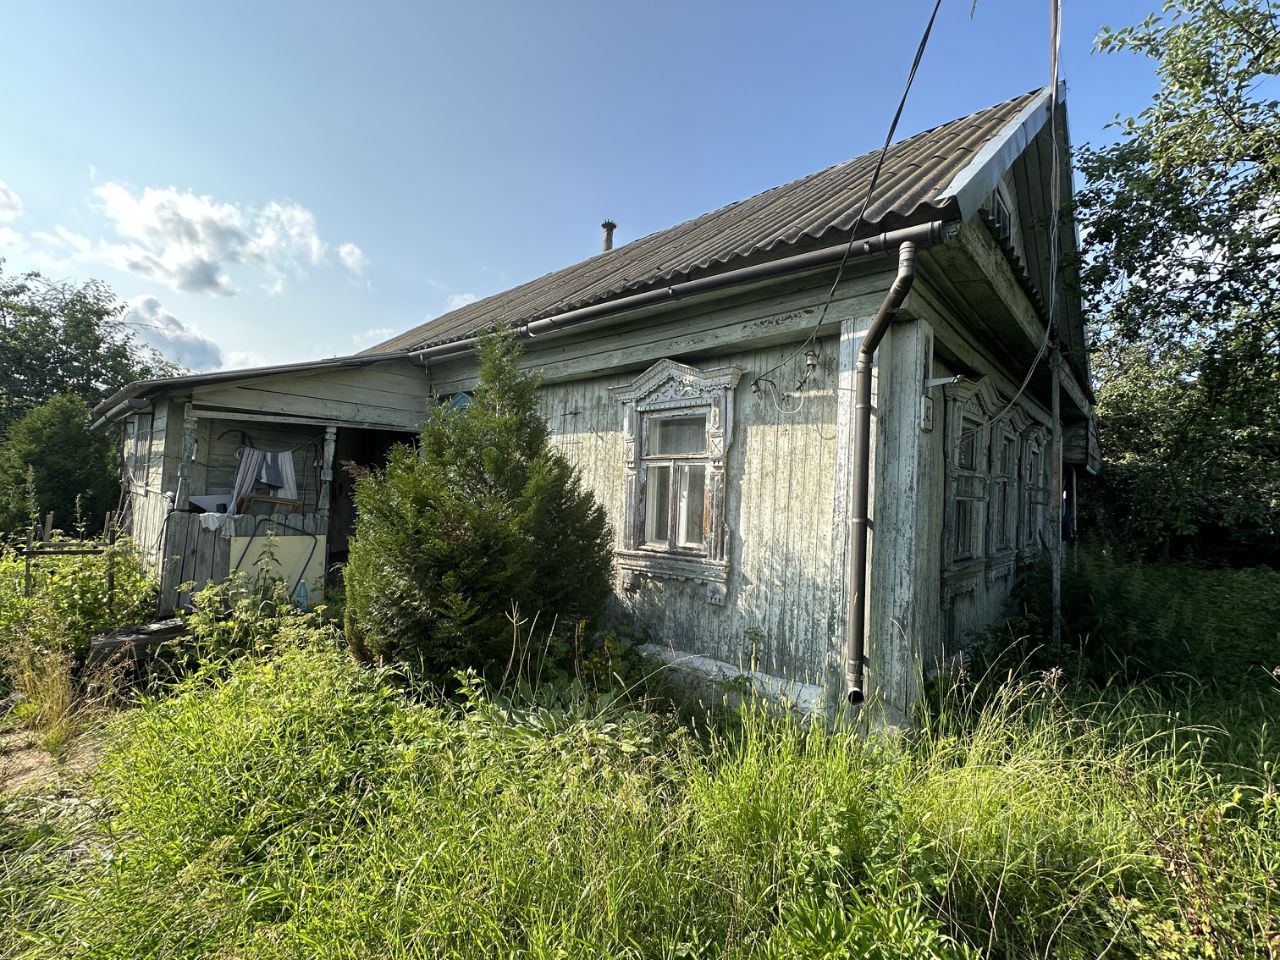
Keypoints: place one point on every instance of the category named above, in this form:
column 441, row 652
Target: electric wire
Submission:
column 1055, row 204
column 866, row 200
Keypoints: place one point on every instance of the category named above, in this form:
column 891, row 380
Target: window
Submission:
column 965, row 542
column 677, row 428
column 675, row 482
column 1004, row 501
column 970, row 431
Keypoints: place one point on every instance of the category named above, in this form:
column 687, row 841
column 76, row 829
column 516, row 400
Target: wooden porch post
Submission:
column 189, row 425
column 326, row 475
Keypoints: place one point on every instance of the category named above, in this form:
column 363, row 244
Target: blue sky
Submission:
column 267, row 182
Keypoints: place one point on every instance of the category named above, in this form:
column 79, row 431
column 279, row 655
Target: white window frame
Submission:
column 670, row 390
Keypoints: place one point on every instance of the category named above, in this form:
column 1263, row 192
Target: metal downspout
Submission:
column 855, row 641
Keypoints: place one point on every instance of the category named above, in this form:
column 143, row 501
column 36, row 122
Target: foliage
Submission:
column 60, row 338
column 1130, row 620
column 1181, row 218
column 481, row 535
column 69, row 602
column 50, row 461
column 44, row 637
column 295, row 806
column 241, row 616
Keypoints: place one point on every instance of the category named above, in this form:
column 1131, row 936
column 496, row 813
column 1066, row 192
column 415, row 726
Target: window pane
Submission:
column 657, row 507
column 678, row 435
column 964, row 529
column 693, row 503
column 969, row 444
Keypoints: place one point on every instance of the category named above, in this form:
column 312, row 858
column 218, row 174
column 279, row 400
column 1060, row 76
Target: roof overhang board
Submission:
column 970, row 187
column 118, row 403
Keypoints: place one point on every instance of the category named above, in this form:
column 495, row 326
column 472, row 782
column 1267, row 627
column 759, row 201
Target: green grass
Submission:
column 299, row 806
column 291, row 803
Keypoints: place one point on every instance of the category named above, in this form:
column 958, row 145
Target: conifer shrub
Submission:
column 482, row 535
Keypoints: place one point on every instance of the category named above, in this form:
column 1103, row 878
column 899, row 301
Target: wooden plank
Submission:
column 742, row 326
column 289, row 420
column 257, row 399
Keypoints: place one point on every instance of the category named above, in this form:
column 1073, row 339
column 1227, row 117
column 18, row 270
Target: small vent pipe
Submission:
column 608, row 227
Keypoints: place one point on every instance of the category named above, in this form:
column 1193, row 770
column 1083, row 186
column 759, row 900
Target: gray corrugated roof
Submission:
column 815, row 211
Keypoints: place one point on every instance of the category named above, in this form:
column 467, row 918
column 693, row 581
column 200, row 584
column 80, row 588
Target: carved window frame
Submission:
column 1035, row 484
column 967, row 452
column 670, row 389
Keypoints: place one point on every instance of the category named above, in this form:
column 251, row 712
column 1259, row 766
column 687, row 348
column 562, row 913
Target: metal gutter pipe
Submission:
column 855, row 641
column 923, row 235
column 132, row 405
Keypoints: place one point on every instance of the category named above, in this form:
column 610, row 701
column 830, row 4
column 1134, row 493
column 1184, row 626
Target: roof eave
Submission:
column 112, row 407
column 971, row 186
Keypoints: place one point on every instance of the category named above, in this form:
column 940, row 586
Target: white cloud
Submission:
column 371, row 336
column 353, row 258
column 10, row 240
column 186, row 241
column 190, row 242
column 158, row 328
column 458, row 300
column 10, row 204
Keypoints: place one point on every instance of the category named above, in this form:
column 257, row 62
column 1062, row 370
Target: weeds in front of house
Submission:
column 296, row 803
column 280, row 799
column 49, row 611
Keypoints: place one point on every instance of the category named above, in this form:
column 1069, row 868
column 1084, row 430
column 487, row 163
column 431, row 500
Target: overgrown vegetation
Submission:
column 1182, row 231
column 483, row 533
column 298, row 804
column 45, row 633
column 1126, row 621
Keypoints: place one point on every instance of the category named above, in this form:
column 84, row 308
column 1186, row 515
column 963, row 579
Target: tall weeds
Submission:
column 294, row 805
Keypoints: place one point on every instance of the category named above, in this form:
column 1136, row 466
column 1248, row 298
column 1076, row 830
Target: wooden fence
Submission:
column 194, row 553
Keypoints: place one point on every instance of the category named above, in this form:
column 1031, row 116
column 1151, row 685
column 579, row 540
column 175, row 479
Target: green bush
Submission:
column 69, row 602
column 1129, row 620
column 481, row 536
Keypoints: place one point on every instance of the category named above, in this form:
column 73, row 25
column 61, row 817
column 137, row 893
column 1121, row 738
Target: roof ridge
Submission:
column 710, row 240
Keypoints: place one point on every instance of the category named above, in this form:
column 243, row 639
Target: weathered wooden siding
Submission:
column 220, row 440
column 777, row 616
column 387, row 395
column 143, row 478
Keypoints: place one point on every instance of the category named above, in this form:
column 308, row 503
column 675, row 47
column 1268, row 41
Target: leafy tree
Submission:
column 57, row 337
column 483, row 519
column 1181, row 221
column 50, row 455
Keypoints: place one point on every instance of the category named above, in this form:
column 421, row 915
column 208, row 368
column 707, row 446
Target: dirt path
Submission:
column 25, row 766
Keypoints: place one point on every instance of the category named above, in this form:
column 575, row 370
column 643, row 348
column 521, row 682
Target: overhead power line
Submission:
column 862, row 210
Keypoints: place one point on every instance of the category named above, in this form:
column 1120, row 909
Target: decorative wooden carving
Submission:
column 673, row 388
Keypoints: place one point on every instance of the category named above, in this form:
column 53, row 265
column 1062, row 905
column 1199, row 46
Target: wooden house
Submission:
column 824, row 486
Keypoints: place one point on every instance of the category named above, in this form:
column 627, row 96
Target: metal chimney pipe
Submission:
column 608, row 227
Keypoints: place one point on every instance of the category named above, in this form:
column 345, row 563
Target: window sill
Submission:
column 635, row 564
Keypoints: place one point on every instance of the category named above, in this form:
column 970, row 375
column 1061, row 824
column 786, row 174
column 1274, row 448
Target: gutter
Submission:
column 909, row 241
column 855, row 639
column 123, row 408
column 922, row 235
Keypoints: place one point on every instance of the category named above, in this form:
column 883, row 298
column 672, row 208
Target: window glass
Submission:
column 658, row 504
column 964, row 529
column 691, row 506
column 676, row 436
column 969, row 430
